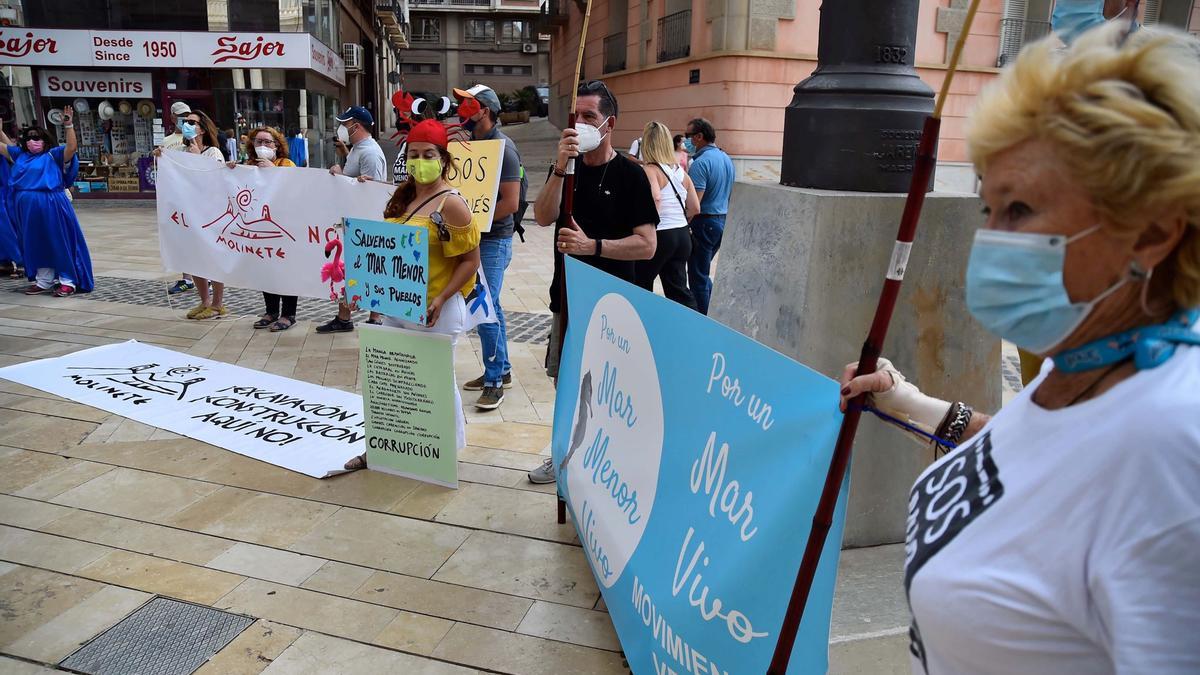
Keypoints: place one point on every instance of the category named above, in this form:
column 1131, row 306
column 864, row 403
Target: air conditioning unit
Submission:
column 529, row 48
column 352, row 54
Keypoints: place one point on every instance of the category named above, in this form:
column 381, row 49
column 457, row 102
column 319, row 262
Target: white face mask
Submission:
column 265, row 152
column 590, row 137
column 343, row 134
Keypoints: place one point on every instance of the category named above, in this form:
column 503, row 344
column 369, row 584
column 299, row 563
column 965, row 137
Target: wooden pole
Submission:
column 564, row 216
column 867, row 362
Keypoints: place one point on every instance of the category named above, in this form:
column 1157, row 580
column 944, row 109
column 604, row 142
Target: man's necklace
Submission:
column 607, row 163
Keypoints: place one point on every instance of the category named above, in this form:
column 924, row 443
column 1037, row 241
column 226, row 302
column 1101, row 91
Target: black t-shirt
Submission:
column 610, row 200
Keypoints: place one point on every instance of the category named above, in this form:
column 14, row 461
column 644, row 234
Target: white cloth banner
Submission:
column 296, row 425
column 265, row 229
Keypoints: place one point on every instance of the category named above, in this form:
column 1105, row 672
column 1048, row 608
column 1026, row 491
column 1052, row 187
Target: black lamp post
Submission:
column 855, row 123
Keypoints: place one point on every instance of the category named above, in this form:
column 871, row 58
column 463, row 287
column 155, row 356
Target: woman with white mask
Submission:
column 266, row 148
column 1062, row 535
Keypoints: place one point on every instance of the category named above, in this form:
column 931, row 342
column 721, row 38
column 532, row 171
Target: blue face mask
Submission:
column 689, row 145
column 1072, row 18
column 1015, row 288
column 189, row 130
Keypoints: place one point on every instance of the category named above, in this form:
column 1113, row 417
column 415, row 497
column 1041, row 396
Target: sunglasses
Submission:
column 443, row 231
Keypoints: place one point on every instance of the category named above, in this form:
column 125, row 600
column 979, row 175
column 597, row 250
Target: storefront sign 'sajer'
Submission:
column 99, row 48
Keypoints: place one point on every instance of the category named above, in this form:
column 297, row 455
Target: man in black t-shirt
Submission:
column 615, row 216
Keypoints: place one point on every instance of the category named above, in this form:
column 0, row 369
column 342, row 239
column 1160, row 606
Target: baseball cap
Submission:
column 180, row 108
column 428, row 131
column 358, row 114
column 482, row 93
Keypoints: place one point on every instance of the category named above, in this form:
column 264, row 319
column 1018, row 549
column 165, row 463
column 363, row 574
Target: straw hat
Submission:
column 145, row 109
column 125, row 107
column 106, row 110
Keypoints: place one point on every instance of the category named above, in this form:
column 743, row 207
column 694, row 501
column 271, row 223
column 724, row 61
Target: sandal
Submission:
column 284, row 323
column 264, row 321
column 357, row 463
column 205, row 314
column 196, row 311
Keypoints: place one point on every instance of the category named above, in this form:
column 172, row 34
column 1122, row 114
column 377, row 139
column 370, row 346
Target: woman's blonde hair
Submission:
column 657, row 147
column 1124, row 119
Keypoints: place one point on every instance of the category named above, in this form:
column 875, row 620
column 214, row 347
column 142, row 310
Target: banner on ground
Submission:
column 692, row 459
column 476, row 174
column 408, row 400
column 296, row 425
column 387, row 268
column 274, row 230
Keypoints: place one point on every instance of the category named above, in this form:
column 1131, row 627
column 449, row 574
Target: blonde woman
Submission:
column 1063, row 534
column 677, row 203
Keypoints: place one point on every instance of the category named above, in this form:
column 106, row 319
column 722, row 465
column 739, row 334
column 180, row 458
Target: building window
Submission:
column 479, row 30
column 427, row 29
column 675, row 36
column 494, row 69
column 515, row 32
column 420, row 68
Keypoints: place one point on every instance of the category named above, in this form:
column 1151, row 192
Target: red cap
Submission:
column 429, row 131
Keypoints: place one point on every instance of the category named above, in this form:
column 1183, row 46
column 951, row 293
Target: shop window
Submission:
column 479, row 30
column 119, row 14
column 515, row 32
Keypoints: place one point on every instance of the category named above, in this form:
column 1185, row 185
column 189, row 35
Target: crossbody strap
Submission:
column 426, row 202
column 673, row 188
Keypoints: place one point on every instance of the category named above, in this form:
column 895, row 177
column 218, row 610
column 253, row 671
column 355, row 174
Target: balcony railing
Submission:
column 1015, row 34
column 615, row 49
column 452, row 3
column 675, row 36
column 389, row 12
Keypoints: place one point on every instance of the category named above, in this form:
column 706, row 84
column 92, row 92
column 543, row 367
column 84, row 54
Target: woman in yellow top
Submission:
column 267, row 148
column 427, row 200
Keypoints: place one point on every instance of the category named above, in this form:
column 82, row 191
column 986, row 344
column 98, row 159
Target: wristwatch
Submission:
column 599, row 248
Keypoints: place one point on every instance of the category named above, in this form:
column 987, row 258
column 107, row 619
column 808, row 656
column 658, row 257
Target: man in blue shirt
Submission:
column 495, row 246
column 712, row 173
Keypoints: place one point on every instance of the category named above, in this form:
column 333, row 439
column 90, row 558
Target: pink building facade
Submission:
column 735, row 62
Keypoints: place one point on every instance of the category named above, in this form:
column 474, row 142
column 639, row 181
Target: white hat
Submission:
column 105, row 110
column 81, row 105
column 180, row 108
column 55, row 116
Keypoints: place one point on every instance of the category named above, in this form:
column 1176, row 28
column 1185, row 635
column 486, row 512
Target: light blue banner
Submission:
column 694, row 458
column 387, row 268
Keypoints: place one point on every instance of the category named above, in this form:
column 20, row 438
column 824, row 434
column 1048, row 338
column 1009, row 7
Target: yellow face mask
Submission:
column 425, row 171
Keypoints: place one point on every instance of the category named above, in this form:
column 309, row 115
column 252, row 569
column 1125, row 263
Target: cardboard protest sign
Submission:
column 387, row 268
column 408, row 398
column 476, row 174
column 297, row 425
column 692, row 459
column 272, row 229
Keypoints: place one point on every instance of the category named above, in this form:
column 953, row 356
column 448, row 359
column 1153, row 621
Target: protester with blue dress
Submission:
column 55, row 253
column 10, row 242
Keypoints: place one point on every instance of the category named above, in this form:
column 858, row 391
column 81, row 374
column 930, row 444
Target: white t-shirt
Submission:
column 635, row 150
column 1065, row 541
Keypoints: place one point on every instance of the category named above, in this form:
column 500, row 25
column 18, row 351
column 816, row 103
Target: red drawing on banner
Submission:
column 244, row 229
column 229, row 49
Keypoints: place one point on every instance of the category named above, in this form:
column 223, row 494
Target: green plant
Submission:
column 525, row 99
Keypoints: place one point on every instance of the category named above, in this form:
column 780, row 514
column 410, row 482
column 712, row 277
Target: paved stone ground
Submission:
column 360, row 573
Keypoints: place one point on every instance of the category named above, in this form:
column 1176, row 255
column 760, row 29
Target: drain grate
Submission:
column 163, row 637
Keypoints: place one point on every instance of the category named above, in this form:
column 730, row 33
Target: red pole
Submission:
column 823, row 519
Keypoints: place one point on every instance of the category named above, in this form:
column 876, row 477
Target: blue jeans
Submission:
column 495, row 255
column 706, row 241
